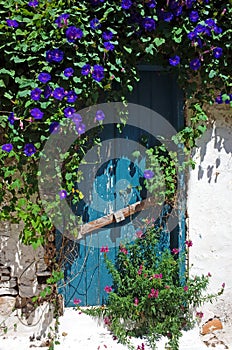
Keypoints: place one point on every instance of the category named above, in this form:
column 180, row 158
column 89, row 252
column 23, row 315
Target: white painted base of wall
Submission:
column 78, row 331
column 209, row 206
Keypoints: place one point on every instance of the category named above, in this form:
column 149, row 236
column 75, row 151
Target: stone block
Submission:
column 7, row 304
column 12, row 283
column 28, row 290
column 8, row 291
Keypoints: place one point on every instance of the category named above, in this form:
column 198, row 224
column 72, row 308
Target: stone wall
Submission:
column 23, row 274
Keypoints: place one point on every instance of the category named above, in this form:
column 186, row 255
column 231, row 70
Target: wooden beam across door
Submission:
column 117, row 216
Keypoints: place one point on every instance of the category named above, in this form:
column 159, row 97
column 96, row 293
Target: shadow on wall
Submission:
column 215, row 150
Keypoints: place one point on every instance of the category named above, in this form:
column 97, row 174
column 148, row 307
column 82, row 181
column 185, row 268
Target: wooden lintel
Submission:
column 111, row 218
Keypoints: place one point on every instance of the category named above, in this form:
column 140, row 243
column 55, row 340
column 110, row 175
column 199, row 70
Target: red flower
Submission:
column 136, row 301
column 123, row 250
column 108, row 289
column 154, row 293
column 189, row 243
column 186, row 288
column 76, row 301
column 104, row 249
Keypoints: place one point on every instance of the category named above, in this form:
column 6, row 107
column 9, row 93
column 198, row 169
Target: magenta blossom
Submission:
column 186, row 288
column 136, row 301
column 108, row 289
column 104, row 249
column 154, row 293
column 189, row 243
column 175, row 250
column 76, row 301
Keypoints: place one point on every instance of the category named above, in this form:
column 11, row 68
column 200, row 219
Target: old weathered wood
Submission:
column 111, row 218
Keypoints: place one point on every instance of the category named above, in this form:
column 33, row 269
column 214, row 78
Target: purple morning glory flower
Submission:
column 71, row 96
column 36, row 113
column 151, row 3
column 63, row 194
column 95, row 24
column 68, row 112
column 148, row 174
column 44, row 77
column 85, row 70
column 98, row 72
column 7, row 147
column 58, row 93
column 174, row 61
column 167, row 16
column 33, row 3
column 76, row 118
column 178, row 11
column 217, row 30
column 195, row 64
column 29, row 149
column 194, row 16
column 96, row 2
column 54, row 127
column 62, row 20
column 148, row 24
column 189, row 3
column 217, row 52
column 200, row 28
column 68, row 72
column 210, row 22
column 108, row 35
column 47, row 91
column 55, row 55
column 192, row 35
column 80, row 128
column 11, row 118
column 12, row 23
column 35, row 94
column 73, row 33
column 108, row 46
column 126, row 4
column 100, row 115
column 218, row 99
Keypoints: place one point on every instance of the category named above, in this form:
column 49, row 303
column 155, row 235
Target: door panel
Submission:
column 116, row 184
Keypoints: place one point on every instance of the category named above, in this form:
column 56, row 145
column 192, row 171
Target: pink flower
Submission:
column 140, row 270
column 104, row 249
column 189, row 243
column 76, row 301
column 223, row 285
column 199, row 314
column 175, row 250
column 209, row 274
column 108, row 289
column 154, row 293
column 136, row 301
column 186, row 288
column 123, row 250
column 139, row 234
column 157, row 275
column 167, row 287
column 107, row 321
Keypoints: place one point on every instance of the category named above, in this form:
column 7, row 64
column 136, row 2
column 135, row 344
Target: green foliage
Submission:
column 149, row 297
column 28, row 34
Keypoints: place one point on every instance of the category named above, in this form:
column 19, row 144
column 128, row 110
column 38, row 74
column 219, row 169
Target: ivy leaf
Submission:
column 159, row 41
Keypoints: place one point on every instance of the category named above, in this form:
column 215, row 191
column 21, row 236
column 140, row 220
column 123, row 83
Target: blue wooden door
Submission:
column 117, row 183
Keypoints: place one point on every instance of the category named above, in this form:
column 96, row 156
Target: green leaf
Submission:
column 159, row 41
column 127, row 49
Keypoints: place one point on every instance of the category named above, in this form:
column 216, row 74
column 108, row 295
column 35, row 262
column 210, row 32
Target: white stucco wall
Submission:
column 209, row 206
